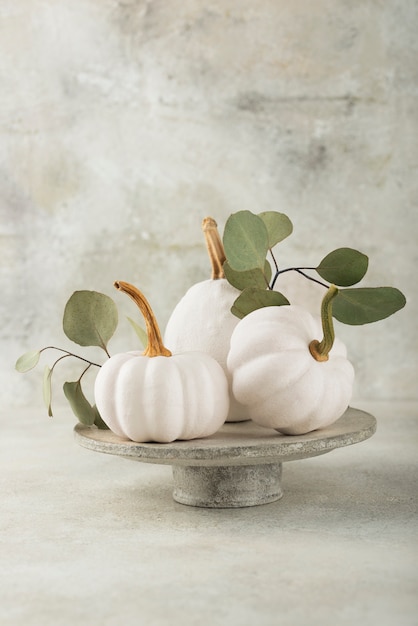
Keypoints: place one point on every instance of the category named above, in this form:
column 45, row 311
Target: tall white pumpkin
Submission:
column 202, row 320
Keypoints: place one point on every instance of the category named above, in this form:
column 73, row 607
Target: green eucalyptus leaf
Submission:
column 81, row 407
column 343, row 267
column 98, row 421
column 90, row 318
column 278, row 226
column 245, row 241
column 47, row 389
column 253, row 298
column 140, row 332
column 249, row 278
column 366, row 305
column 27, row 361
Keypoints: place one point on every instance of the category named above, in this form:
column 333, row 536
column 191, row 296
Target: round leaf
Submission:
column 278, row 226
column 253, row 298
column 245, row 241
column 27, row 361
column 343, row 267
column 90, row 318
column 250, row 278
column 81, row 407
column 367, row 305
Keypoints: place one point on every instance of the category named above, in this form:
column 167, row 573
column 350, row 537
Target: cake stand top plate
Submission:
column 242, row 443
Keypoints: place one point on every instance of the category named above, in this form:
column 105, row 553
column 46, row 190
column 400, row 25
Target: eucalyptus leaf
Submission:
column 47, row 389
column 278, row 226
column 249, row 278
column 245, row 241
column 253, row 298
column 98, row 421
column 140, row 332
column 366, row 305
column 81, row 407
column 90, row 318
column 27, row 361
column 343, row 267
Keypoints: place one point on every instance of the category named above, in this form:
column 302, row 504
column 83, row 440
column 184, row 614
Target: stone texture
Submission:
column 238, row 466
column 226, row 487
column 242, row 443
column 123, row 124
column 94, row 539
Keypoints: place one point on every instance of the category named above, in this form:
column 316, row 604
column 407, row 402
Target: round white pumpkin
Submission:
column 163, row 398
column 276, row 376
column 155, row 396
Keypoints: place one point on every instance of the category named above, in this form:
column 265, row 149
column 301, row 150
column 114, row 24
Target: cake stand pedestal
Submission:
column 240, row 465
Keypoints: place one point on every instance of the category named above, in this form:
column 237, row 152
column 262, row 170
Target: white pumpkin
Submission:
column 278, row 373
column 202, row 320
column 157, row 396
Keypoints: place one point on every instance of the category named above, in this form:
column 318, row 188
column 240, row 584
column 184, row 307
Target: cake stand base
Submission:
column 238, row 466
column 230, row 486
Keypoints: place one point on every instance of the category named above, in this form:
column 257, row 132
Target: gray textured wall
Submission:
column 124, row 123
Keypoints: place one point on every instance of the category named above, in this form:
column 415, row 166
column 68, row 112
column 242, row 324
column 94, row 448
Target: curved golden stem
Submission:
column 155, row 343
column 215, row 247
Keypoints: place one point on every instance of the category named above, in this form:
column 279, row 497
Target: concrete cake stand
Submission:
column 240, row 465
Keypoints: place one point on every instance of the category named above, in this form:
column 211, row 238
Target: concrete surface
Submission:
column 124, row 122
column 88, row 538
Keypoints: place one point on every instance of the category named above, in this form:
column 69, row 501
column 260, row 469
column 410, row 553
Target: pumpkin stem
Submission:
column 320, row 350
column 215, row 247
column 155, row 343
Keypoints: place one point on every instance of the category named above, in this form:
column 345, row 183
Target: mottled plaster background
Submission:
column 124, row 123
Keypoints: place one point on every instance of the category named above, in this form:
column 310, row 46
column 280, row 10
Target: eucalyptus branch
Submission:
column 274, row 260
column 84, row 371
column 299, row 270
column 65, row 356
column 67, row 353
column 90, row 319
column 314, row 280
column 48, row 376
